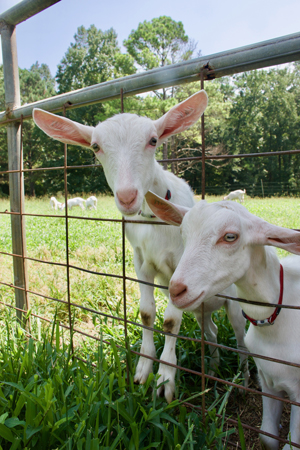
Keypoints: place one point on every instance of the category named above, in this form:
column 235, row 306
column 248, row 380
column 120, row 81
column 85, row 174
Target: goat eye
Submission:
column 230, row 237
column 95, row 147
column 153, row 141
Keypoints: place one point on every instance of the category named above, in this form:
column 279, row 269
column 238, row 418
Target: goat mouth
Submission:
column 129, row 212
column 189, row 304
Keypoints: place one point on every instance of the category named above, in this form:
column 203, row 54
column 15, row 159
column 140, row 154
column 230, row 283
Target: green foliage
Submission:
column 35, row 84
column 48, row 399
column 241, row 434
column 156, row 43
column 94, row 58
column 189, row 143
column 250, row 113
column 264, row 118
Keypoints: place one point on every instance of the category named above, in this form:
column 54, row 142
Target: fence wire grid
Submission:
column 72, row 306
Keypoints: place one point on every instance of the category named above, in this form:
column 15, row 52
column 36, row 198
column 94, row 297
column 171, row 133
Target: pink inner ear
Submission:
column 163, row 209
column 180, row 120
column 168, row 214
column 184, row 115
column 60, row 128
column 284, row 238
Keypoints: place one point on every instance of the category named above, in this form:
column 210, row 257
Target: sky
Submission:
column 216, row 25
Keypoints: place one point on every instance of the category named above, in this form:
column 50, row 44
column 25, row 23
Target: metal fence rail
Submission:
column 260, row 55
column 275, row 51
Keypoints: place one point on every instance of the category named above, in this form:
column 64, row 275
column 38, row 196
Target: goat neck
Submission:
column 260, row 283
column 164, row 181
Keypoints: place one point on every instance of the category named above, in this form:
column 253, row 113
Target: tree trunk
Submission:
column 279, row 170
column 173, row 164
column 165, row 154
column 32, row 188
column 165, row 145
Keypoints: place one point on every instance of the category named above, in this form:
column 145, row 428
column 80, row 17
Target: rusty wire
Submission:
column 190, row 158
column 67, row 240
column 125, row 278
column 22, row 195
column 202, row 304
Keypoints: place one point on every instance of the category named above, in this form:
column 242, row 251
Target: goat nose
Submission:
column 127, row 197
column 177, row 290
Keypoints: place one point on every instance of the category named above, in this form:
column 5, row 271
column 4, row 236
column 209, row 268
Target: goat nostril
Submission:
column 177, row 290
column 127, row 198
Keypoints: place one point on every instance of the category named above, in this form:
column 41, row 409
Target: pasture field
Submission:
column 97, row 246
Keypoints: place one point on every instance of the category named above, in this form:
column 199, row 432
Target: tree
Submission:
column 263, row 118
column 189, row 143
column 158, row 43
column 35, row 84
column 93, row 58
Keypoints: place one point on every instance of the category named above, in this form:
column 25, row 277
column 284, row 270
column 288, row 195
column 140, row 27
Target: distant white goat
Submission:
column 77, row 201
column 55, row 204
column 225, row 244
column 125, row 145
column 91, row 202
column 236, row 195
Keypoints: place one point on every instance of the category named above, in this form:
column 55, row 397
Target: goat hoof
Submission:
column 143, row 370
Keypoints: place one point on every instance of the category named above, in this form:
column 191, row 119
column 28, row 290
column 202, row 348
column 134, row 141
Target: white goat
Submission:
column 225, row 244
column 236, row 195
column 55, row 204
column 76, row 201
column 91, row 202
column 125, row 145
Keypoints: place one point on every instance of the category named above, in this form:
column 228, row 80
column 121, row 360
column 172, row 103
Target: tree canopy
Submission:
column 251, row 113
column 157, row 43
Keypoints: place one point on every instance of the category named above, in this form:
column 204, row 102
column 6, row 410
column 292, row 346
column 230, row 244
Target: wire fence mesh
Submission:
column 68, row 268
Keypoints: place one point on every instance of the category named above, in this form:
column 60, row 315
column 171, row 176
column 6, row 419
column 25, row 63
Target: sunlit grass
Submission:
column 51, row 400
column 97, row 246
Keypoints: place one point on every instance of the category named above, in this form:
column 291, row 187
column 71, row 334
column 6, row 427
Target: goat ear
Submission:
column 181, row 116
column 280, row 237
column 165, row 210
column 63, row 129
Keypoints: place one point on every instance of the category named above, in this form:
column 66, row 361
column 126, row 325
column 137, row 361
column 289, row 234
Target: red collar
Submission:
column 151, row 216
column 270, row 320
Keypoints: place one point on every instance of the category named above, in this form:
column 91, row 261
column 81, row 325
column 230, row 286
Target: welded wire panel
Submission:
column 58, row 281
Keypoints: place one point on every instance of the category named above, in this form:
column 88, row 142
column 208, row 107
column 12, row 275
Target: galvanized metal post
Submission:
column 256, row 56
column 16, row 181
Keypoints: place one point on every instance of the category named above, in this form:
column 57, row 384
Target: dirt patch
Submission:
column 248, row 407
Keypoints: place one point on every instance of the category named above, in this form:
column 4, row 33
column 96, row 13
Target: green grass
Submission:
column 98, row 246
column 93, row 245
column 49, row 400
